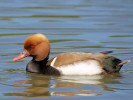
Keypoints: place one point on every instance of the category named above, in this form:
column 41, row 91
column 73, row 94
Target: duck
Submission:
column 37, row 46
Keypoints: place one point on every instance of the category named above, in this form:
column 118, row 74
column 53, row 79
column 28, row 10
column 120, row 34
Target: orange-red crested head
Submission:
column 37, row 46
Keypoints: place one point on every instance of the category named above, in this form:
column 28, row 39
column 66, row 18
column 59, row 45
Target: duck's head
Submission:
column 36, row 46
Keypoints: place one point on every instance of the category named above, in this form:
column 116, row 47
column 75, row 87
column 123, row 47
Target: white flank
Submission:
column 52, row 63
column 88, row 67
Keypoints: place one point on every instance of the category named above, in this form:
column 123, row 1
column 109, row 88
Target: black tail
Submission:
column 107, row 52
column 112, row 64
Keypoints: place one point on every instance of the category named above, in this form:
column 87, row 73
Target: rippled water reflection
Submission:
column 71, row 26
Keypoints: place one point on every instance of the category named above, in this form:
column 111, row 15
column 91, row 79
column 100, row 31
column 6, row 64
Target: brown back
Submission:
column 69, row 58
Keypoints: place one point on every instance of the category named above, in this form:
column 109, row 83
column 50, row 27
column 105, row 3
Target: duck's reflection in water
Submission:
column 98, row 81
column 40, row 86
column 35, row 87
column 77, row 81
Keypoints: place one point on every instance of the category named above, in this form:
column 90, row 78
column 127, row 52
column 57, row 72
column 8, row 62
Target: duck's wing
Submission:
column 64, row 59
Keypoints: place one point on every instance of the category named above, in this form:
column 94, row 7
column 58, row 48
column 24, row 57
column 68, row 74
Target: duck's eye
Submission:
column 32, row 46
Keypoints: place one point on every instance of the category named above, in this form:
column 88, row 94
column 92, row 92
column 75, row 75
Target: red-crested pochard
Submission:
column 72, row 63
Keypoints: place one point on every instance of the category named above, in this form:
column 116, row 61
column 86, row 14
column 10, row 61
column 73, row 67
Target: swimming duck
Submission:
column 72, row 63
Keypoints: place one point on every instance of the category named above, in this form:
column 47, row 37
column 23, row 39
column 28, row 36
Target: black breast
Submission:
column 36, row 66
column 40, row 67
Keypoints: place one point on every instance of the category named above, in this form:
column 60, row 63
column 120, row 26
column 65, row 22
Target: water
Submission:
column 71, row 26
